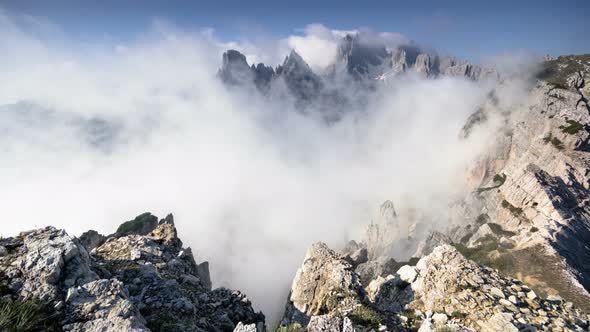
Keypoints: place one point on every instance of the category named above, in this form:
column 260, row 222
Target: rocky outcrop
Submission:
column 433, row 240
column 50, row 266
column 91, row 239
column 235, row 71
column 532, row 185
column 140, row 225
column 131, row 282
column 324, row 283
column 362, row 58
column 443, row 291
column 478, row 297
column 301, row 81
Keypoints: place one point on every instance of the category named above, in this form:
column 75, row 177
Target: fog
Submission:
column 93, row 134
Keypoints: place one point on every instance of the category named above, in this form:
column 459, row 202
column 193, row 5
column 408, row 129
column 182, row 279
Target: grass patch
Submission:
column 458, row 315
column 516, row 211
column 444, row 329
column 479, row 253
column 556, row 72
column 18, row 315
column 554, row 141
column 366, row 316
column 498, row 230
column 289, row 328
column 333, row 299
column 503, row 261
column 557, row 143
column 411, row 314
column 573, row 127
column 498, row 182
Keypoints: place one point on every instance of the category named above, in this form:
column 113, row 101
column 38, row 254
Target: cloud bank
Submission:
column 95, row 134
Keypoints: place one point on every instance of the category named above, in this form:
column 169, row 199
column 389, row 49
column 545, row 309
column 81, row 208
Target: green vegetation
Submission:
column 18, row 315
column 557, row 71
column 366, row 316
column 503, row 261
column 333, row 299
column 557, row 143
column 458, row 315
column 498, row 182
column 573, row 127
column 411, row 314
column 547, row 139
column 141, row 225
column 553, row 140
column 480, row 253
column 516, row 211
column 498, row 230
column 289, row 328
column 444, row 329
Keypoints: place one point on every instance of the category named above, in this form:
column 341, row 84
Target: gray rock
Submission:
column 499, row 322
column 482, row 232
column 322, row 275
column 359, row 256
column 249, row 327
column 407, row 273
column 439, row 319
column 325, row 323
column 105, row 291
column 433, row 240
column 91, row 239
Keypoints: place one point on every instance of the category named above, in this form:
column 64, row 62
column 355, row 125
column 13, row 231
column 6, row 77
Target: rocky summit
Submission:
column 444, row 291
column 138, row 279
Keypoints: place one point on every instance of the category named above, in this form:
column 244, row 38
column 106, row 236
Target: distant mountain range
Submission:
column 359, row 59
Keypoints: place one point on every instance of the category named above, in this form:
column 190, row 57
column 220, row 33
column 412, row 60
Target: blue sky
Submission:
column 469, row 29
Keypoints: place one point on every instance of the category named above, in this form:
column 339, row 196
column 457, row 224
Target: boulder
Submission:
column 358, row 257
column 141, row 225
column 325, row 323
column 91, row 239
column 323, row 283
column 249, row 327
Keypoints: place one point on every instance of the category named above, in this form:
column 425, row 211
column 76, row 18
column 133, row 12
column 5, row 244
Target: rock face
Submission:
column 323, row 281
column 129, row 282
column 362, row 58
column 362, row 61
column 532, row 185
column 444, row 291
column 301, row 81
column 236, row 71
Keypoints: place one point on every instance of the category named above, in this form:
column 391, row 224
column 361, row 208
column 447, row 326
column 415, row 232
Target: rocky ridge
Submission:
column 132, row 281
column 361, row 61
column 527, row 210
column 531, row 186
column 444, row 291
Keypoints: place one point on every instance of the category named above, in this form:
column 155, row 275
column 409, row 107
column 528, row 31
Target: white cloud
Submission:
column 318, row 46
column 251, row 181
